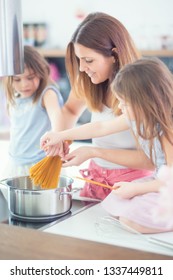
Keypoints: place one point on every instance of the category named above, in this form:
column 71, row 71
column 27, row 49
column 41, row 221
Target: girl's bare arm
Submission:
column 87, row 131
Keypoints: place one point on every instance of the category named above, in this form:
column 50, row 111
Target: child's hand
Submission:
column 54, row 150
column 125, row 190
column 49, row 138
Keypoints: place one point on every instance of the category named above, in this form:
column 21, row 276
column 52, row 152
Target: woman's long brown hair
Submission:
column 102, row 33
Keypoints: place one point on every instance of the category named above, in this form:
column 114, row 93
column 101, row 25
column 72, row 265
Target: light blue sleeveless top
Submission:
column 29, row 121
column 157, row 152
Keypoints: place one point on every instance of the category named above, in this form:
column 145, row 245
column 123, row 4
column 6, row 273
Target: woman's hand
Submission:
column 78, row 156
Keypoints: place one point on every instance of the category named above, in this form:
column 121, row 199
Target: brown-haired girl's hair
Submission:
column 32, row 60
column 147, row 85
column 107, row 36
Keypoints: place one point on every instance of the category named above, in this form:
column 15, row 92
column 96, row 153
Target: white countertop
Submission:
column 90, row 225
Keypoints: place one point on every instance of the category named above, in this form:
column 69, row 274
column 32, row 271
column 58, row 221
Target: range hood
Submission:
column 11, row 38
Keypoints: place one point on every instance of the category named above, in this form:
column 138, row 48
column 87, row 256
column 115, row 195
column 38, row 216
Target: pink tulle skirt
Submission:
column 139, row 209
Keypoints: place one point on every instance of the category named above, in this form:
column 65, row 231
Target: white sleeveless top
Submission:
column 121, row 140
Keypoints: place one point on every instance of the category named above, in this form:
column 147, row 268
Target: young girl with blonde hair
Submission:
column 34, row 103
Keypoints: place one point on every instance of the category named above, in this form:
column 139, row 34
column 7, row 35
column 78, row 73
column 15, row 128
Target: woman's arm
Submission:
column 136, row 159
column 87, row 131
column 65, row 117
column 71, row 111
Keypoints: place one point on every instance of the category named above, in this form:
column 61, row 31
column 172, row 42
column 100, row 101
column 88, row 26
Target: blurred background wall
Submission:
column 148, row 21
column 49, row 24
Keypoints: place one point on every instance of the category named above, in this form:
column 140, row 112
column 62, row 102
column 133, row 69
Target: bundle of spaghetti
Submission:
column 46, row 172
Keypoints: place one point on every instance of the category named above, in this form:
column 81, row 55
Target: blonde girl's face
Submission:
column 26, row 84
column 125, row 108
column 98, row 67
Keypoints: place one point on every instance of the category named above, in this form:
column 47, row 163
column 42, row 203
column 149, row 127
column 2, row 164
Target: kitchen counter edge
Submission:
column 22, row 244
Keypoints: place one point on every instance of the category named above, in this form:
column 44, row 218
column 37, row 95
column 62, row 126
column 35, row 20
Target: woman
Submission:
column 99, row 47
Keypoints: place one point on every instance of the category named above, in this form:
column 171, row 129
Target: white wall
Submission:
column 146, row 20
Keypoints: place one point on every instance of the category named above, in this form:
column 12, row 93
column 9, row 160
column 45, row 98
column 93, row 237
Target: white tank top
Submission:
column 121, row 140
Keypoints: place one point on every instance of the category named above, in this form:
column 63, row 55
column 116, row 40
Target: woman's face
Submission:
column 26, row 84
column 98, row 67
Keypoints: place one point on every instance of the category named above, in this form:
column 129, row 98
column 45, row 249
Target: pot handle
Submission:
column 71, row 192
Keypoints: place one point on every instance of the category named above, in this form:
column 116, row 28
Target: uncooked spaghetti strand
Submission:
column 37, row 178
column 34, row 170
column 37, row 170
column 39, row 163
column 55, row 172
column 58, row 165
column 50, row 180
column 47, row 173
column 46, row 181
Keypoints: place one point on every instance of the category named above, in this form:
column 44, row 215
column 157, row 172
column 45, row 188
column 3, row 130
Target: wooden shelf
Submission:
column 161, row 53
column 51, row 52
column 54, row 52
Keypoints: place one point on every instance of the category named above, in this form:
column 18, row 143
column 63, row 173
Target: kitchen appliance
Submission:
column 29, row 202
column 11, row 33
column 6, row 218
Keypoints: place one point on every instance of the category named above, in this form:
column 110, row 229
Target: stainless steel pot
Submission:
column 29, row 202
